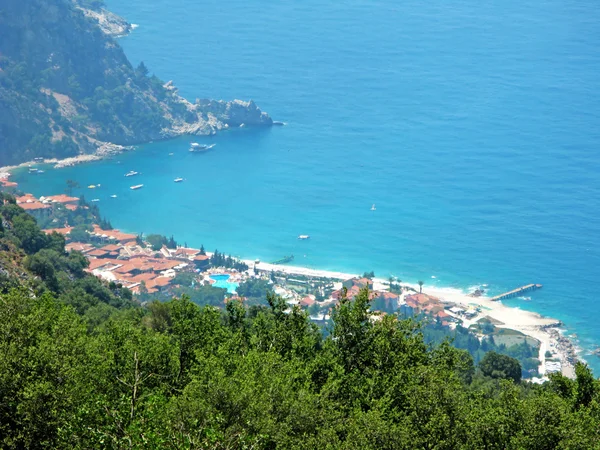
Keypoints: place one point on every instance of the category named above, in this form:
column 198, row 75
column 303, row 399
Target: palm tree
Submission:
column 421, row 283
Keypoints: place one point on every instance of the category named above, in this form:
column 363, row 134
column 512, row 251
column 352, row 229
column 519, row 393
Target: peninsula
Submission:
column 67, row 90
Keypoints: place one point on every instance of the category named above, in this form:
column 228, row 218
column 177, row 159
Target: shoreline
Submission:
column 105, row 151
column 547, row 331
column 108, row 149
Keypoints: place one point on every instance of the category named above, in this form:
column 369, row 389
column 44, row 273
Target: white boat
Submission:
column 92, row 186
column 33, row 170
column 170, row 154
column 131, row 173
column 137, row 186
column 304, row 237
column 178, row 180
column 96, row 200
column 113, row 196
column 373, row 207
column 198, row 148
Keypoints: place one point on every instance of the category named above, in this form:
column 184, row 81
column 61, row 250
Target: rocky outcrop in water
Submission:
column 234, row 113
column 209, row 116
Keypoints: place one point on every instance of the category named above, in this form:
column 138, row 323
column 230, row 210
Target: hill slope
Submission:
column 66, row 88
column 85, row 366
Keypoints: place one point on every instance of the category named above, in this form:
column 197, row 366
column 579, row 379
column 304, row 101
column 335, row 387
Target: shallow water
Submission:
column 472, row 127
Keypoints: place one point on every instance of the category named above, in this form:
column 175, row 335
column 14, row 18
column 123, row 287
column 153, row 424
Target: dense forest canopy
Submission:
column 85, row 366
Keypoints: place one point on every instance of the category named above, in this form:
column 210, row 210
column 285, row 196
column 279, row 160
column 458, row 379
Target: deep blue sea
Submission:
column 474, row 127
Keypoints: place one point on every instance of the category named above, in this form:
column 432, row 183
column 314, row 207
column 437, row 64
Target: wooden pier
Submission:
column 516, row 292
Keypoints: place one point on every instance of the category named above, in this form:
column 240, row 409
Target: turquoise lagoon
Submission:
column 474, row 128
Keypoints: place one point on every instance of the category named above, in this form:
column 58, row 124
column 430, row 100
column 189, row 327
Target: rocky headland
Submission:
column 68, row 91
column 109, row 22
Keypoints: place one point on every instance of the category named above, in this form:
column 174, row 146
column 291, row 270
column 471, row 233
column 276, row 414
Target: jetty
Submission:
column 516, row 292
column 284, row 260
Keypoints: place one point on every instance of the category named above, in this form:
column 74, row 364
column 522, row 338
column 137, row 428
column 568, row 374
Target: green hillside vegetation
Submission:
column 59, row 77
column 37, row 263
column 83, row 366
column 66, row 87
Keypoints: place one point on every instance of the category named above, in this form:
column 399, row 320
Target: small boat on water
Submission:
column 96, row 200
column 113, row 196
column 131, row 173
column 373, row 207
column 199, row 148
column 303, row 237
column 33, row 170
column 92, row 186
column 137, row 186
column 171, row 154
column 178, row 180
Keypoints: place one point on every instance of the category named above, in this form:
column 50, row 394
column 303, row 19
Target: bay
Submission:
column 472, row 127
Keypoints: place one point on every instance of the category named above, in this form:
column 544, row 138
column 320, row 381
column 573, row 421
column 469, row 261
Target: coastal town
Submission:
column 150, row 270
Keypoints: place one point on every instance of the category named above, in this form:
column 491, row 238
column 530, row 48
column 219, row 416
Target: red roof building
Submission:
column 123, row 238
column 98, row 263
column 112, row 248
column 4, row 182
column 186, row 252
column 307, row 301
column 361, row 283
column 64, row 199
column 98, row 253
column 64, row 231
column 78, row 246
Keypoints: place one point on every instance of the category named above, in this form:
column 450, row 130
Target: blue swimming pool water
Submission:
column 222, row 281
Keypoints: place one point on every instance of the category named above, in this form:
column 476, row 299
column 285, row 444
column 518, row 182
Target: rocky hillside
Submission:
column 67, row 88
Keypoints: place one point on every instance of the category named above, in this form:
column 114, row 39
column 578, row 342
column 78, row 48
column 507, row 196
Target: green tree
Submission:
column 586, row 388
column 496, row 365
column 79, row 233
column 142, row 70
column 156, row 241
column 253, row 288
column 420, row 283
column 27, row 231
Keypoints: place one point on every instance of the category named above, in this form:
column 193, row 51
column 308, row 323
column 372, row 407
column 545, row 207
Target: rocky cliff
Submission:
column 66, row 87
column 109, row 22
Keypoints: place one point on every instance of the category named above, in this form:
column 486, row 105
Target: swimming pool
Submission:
column 222, row 281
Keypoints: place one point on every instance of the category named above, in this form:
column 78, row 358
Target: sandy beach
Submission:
column 104, row 150
column 545, row 330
